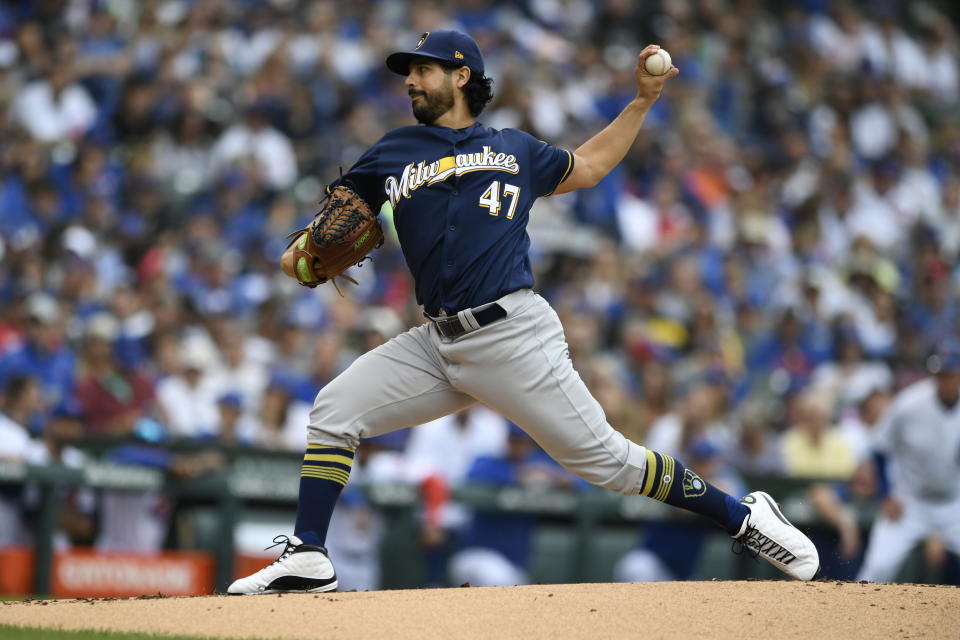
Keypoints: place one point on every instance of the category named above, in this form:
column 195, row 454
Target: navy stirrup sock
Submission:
column 669, row 481
column 324, row 474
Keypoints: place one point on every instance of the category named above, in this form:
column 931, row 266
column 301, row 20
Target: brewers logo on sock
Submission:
column 693, row 485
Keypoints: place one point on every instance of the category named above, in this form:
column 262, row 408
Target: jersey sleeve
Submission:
column 549, row 166
column 364, row 178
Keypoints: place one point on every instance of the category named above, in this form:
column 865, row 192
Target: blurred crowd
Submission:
column 775, row 257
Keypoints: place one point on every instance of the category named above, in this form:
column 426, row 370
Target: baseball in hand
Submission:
column 658, row 63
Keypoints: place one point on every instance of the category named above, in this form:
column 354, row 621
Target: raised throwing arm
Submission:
column 596, row 157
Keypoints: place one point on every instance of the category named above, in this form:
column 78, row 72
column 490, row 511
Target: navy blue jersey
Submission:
column 461, row 200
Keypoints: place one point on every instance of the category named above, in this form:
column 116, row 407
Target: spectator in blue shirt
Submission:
column 43, row 354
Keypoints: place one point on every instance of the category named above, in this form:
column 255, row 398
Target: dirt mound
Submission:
column 653, row 610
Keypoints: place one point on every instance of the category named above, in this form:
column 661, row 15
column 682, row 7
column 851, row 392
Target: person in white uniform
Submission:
column 918, row 459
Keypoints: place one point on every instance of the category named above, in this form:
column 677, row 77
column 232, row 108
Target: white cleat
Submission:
column 300, row 568
column 769, row 534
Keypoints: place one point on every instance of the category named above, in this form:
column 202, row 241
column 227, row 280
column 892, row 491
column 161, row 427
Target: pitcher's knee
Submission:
column 331, row 436
column 628, row 480
column 623, row 473
column 330, row 425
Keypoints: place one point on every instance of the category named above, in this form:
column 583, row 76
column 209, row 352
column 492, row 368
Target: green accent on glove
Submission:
column 303, row 271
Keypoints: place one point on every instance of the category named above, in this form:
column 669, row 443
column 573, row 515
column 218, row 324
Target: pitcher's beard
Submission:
column 432, row 107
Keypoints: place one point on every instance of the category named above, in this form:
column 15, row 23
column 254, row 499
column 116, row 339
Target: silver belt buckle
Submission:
column 449, row 327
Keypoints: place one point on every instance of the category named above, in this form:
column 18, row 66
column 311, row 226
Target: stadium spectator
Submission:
column 282, row 415
column 138, row 520
column 812, row 447
column 235, row 427
column 188, row 399
column 43, row 352
column 76, row 505
column 56, row 108
column 19, row 402
column 113, row 398
column 256, row 142
column 20, row 406
column 757, row 449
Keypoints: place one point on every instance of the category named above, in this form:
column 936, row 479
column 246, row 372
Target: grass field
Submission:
column 19, row 633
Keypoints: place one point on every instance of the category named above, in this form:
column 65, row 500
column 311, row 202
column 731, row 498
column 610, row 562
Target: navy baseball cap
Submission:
column 443, row 44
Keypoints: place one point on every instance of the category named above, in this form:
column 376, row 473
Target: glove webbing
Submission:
column 334, row 228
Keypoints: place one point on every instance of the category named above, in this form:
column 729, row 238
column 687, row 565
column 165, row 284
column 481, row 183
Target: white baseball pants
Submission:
column 891, row 540
column 518, row 366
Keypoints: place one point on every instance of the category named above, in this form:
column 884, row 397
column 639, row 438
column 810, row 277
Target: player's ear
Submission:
column 463, row 76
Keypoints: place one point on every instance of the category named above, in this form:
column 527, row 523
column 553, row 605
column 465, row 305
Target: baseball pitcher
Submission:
column 461, row 195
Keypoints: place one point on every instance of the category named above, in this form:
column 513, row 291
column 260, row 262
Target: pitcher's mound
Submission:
column 733, row 610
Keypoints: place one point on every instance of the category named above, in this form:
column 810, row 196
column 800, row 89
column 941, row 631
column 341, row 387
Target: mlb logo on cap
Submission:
column 443, row 44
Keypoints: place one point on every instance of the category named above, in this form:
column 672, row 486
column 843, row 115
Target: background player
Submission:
column 918, row 442
column 461, row 195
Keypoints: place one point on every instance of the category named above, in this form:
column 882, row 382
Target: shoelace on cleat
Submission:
column 757, row 543
column 281, row 539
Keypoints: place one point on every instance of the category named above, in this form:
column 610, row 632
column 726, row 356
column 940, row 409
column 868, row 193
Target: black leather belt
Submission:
column 451, row 327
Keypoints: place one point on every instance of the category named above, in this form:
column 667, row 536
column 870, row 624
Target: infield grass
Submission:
column 8, row 632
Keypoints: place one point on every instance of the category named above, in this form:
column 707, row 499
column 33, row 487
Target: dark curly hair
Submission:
column 478, row 91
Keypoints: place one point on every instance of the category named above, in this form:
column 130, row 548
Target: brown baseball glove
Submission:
column 341, row 235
